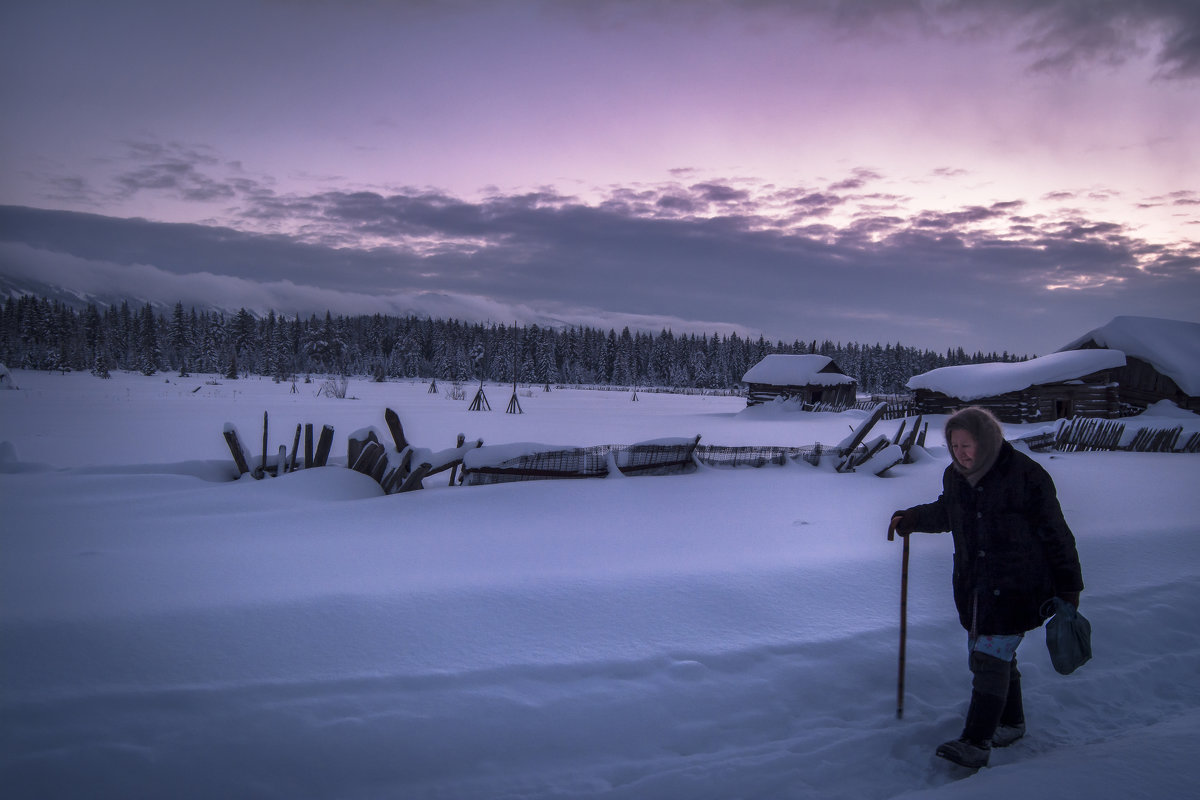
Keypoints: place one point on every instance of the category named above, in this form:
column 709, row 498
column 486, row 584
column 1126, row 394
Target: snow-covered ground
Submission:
column 168, row 632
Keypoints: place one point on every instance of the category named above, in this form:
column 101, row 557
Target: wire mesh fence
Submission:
column 635, row 460
column 578, row 462
column 756, row 456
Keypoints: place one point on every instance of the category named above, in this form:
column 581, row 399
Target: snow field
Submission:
column 717, row 635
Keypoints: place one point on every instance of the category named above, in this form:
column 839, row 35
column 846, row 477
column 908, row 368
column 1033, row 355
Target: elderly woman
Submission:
column 1013, row 552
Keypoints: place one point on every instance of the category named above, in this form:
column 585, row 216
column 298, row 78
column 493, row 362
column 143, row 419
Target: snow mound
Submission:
column 316, row 485
column 1167, row 409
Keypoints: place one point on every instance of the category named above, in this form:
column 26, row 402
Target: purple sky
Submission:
column 995, row 174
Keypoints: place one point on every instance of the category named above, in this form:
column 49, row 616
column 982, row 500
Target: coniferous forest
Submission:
column 36, row 333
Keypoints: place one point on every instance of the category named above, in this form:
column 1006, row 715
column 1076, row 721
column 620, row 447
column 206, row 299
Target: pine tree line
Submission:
column 36, row 333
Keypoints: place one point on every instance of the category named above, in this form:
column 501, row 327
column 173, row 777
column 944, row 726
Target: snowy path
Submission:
column 621, row 640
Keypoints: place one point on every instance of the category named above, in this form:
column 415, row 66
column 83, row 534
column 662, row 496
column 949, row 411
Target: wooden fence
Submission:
column 685, row 455
column 1089, row 434
column 895, row 406
column 402, row 467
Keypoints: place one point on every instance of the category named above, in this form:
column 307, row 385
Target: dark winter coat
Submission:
column 1013, row 550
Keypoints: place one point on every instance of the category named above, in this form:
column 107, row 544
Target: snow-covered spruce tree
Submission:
column 460, row 365
column 179, row 339
column 623, row 373
column 149, row 352
column 659, row 368
column 100, row 367
column 547, row 358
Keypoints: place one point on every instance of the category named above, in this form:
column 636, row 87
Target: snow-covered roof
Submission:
column 973, row 381
column 781, row 369
column 1170, row 346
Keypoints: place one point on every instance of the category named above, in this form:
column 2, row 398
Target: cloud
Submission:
column 720, row 193
column 860, row 178
column 1054, row 35
column 703, row 255
column 190, row 173
column 1067, row 34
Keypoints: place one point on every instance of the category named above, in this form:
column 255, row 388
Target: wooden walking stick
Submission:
column 903, row 615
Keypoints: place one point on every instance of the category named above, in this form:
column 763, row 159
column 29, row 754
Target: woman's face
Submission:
column 962, row 447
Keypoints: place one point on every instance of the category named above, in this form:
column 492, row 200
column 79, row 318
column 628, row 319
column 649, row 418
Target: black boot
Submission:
column 982, row 718
column 974, row 747
column 1012, row 720
column 964, row 753
column 989, row 695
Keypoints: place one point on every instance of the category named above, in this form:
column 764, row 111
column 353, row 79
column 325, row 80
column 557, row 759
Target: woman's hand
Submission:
column 904, row 522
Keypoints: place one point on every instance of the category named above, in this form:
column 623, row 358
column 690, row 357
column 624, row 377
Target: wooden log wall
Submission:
column 1034, row 404
column 841, row 396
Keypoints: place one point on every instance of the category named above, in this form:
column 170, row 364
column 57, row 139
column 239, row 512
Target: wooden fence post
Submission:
column 295, row 447
column 235, row 447
column 323, row 445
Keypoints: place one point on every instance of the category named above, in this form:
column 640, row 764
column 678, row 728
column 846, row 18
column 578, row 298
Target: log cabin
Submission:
column 811, row 380
column 1162, row 360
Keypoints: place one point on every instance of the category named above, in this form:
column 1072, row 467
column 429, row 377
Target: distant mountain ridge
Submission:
column 16, row 287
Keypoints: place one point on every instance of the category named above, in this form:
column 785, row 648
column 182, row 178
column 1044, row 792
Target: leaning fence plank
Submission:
column 413, row 481
column 291, row 467
column 366, row 457
column 396, row 429
column 355, row 446
column 847, row 447
column 235, row 447
column 323, row 446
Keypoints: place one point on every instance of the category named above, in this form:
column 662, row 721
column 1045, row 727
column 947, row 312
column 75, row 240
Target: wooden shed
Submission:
column 1162, row 360
column 1056, row 386
column 812, row 380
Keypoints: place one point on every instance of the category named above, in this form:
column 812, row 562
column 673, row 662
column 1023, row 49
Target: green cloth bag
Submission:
column 1068, row 637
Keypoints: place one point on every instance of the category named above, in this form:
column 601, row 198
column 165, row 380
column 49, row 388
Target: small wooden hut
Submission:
column 1056, row 386
column 1162, row 360
column 810, row 379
